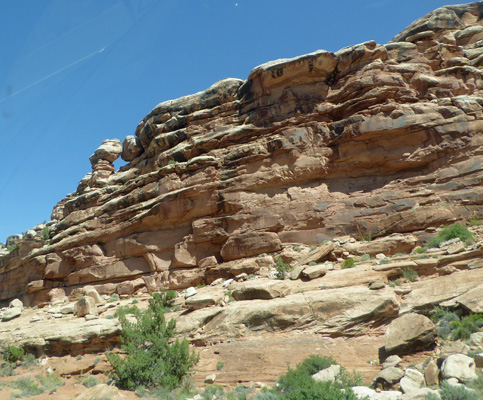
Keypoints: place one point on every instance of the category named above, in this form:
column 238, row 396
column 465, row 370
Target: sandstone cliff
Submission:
column 372, row 140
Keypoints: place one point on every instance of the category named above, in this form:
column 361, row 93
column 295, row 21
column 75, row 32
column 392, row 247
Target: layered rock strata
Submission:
column 368, row 141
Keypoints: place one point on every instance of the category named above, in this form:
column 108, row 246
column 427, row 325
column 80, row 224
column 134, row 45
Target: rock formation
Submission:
column 370, row 140
column 324, row 156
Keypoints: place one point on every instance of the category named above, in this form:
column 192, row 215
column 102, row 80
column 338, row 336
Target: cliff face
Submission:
column 369, row 141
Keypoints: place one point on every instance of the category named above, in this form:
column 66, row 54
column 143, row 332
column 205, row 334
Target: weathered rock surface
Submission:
column 409, row 333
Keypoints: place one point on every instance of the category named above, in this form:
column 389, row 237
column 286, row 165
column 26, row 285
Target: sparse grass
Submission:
column 313, row 247
column 29, row 361
column 420, row 250
column 114, row 298
column 7, row 369
column 27, row 386
column 457, row 392
column 396, row 282
column 385, row 261
column 475, row 221
column 348, row 263
column 410, row 274
column 297, row 249
column 449, row 232
column 220, row 365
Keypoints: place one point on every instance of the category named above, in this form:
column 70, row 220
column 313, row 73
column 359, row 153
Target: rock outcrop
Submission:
column 371, row 140
column 309, row 168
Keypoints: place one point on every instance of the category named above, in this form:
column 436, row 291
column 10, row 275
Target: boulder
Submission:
column 317, row 255
column 431, row 374
column 388, row 377
column 101, row 391
column 11, row 313
column 84, row 306
column 250, row 244
column 202, row 300
column 460, row 367
column 453, row 347
column 314, row 271
column 90, row 291
column 391, row 361
column 327, row 374
column 413, row 380
column 479, row 360
column 476, row 339
column 472, row 300
column 191, row 291
column 131, row 148
column 260, row 289
column 409, row 333
column 15, row 303
column 421, row 394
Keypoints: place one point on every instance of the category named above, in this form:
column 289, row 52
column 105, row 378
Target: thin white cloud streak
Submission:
column 53, row 74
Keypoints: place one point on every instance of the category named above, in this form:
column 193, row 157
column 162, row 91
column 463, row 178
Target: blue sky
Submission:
column 76, row 72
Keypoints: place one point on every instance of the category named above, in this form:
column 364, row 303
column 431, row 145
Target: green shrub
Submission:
column 386, row 260
column 457, row 392
column 298, row 249
column 13, row 354
column 348, row 263
column 453, row 326
column 449, row 232
column 46, row 233
column 134, row 301
column 90, row 381
column 410, row 274
column 463, row 328
column 152, row 357
column 124, row 310
column 283, row 268
column 220, row 365
column 365, row 257
column 212, row 392
column 420, row 250
column 315, row 363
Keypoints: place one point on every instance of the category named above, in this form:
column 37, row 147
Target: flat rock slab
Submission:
column 246, row 360
column 472, row 300
column 203, row 300
column 350, row 311
column 260, row 289
column 72, row 333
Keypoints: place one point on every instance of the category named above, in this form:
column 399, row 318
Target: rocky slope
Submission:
column 374, row 142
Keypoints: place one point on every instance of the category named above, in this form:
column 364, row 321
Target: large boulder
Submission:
column 131, row 148
column 85, row 306
column 388, row 377
column 413, row 380
column 460, row 367
column 409, row 333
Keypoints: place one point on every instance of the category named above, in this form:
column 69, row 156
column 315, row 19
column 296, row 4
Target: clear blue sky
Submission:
column 76, row 72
